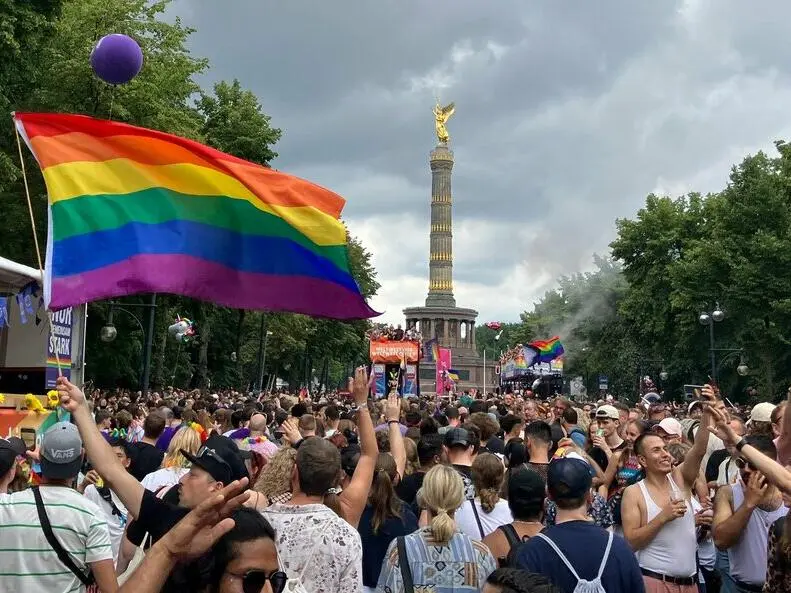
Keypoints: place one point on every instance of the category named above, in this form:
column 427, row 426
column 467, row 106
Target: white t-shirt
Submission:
column 27, row 561
column 167, row 476
column 115, row 524
column 465, row 518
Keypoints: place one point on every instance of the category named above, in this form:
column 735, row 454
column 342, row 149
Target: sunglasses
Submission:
column 742, row 463
column 211, row 454
column 253, row 581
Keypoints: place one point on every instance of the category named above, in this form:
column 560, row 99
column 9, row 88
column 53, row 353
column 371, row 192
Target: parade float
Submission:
column 34, row 344
column 536, row 367
column 395, row 355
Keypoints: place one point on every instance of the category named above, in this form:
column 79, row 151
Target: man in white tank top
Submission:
column 743, row 513
column 658, row 520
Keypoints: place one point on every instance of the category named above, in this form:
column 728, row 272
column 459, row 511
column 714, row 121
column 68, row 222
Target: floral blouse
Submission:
column 314, row 542
column 778, row 568
column 599, row 511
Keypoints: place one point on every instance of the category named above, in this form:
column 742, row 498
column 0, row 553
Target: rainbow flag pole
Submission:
column 133, row 210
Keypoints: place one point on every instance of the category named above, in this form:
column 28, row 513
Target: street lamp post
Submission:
column 262, row 340
column 710, row 318
column 742, row 369
column 109, row 333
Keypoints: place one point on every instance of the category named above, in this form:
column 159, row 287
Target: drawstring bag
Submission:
column 583, row 586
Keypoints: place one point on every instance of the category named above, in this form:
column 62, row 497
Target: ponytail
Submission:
column 442, row 527
column 489, row 498
column 330, row 499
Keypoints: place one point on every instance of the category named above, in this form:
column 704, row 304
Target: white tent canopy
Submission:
column 14, row 276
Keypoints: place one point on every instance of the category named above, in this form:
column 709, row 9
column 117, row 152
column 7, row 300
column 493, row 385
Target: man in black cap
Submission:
column 574, row 549
column 215, row 465
column 10, row 449
column 460, row 446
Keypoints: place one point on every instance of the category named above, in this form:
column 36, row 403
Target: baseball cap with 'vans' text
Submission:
column 61, row 452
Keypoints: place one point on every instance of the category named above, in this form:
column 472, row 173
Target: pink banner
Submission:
column 443, row 364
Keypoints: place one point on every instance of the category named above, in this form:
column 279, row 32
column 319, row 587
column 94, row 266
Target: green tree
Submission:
column 24, row 27
column 583, row 312
column 235, row 123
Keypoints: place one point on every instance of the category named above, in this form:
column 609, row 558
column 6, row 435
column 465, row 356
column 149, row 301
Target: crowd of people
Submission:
column 231, row 492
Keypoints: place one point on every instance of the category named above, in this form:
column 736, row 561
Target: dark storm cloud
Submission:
column 568, row 114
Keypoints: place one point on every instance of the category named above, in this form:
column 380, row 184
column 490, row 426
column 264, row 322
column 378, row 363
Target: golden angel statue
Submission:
column 441, row 117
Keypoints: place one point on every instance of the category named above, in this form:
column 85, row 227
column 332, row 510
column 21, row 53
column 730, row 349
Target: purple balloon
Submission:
column 117, row 58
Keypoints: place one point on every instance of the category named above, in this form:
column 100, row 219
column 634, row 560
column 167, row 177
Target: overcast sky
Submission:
column 568, row 114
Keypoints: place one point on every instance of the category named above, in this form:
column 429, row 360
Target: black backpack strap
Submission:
column 403, row 564
column 477, row 518
column 510, row 534
column 108, row 498
column 63, row 555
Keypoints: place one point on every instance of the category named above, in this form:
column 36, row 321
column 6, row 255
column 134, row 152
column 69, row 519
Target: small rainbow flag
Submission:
column 548, row 350
column 133, row 210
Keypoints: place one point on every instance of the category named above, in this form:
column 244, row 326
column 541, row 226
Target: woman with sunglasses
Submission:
column 244, row 558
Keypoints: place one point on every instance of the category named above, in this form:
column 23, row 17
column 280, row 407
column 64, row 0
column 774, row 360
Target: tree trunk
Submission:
column 160, row 374
column 200, row 379
column 239, row 330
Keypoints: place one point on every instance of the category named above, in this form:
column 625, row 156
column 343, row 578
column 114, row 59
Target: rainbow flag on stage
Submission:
column 133, row 210
column 431, row 350
column 547, row 350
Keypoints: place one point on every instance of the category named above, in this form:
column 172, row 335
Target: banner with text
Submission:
column 410, row 380
column 394, row 351
column 59, row 346
column 380, row 381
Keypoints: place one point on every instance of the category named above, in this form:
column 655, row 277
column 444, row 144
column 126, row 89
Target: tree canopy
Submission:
column 679, row 257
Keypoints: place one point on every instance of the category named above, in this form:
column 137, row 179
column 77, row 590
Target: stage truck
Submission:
column 394, row 364
column 30, row 349
column 544, row 379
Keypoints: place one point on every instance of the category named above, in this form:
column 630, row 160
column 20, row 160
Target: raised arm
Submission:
column 190, row 538
column 104, row 461
column 690, row 469
column 784, row 440
column 397, row 449
column 774, row 472
column 354, row 497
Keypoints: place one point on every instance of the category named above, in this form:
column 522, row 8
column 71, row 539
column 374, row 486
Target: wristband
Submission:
column 389, row 422
column 358, row 407
column 740, row 444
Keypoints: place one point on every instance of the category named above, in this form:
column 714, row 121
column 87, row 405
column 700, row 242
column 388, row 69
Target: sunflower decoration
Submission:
column 33, row 404
column 2, row 398
column 53, row 399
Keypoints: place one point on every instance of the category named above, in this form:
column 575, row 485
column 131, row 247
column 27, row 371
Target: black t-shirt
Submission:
column 375, row 544
column 599, row 456
column 145, row 459
column 495, row 445
column 407, row 488
column 713, row 464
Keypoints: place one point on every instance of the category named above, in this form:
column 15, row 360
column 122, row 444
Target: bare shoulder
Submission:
column 632, row 493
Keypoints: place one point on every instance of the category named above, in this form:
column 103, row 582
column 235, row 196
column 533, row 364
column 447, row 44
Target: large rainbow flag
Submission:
column 133, row 210
column 547, row 350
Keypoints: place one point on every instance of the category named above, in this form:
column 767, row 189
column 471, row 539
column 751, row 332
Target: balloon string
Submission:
column 112, row 102
column 35, row 236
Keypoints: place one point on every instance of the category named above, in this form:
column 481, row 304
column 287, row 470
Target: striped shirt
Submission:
column 27, row 561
